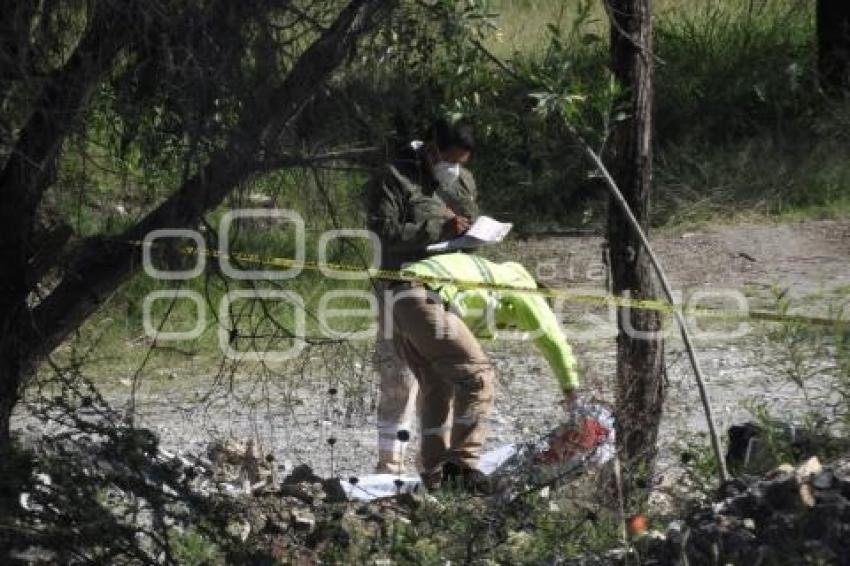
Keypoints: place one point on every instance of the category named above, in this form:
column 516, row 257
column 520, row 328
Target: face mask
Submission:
column 446, row 173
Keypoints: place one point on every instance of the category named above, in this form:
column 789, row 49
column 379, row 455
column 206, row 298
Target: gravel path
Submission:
column 294, row 418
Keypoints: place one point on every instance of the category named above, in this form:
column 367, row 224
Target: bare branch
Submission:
column 103, row 265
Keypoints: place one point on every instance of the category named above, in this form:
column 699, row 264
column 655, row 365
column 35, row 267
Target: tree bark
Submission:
column 27, row 335
column 640, row 347
column 833, row 29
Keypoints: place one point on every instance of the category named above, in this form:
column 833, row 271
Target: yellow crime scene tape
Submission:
column 604, row 300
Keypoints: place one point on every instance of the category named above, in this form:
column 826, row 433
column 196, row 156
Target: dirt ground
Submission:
column 294, row 419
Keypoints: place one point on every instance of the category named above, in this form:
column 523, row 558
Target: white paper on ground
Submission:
column 376, row 486
column 493, row 459
column 484, row 231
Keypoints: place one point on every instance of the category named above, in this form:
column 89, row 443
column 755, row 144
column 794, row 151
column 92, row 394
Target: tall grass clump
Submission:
column 733, row 69
column 741, row 125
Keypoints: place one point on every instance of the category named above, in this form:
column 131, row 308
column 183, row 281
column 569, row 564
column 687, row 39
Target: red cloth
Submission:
column 571, row 441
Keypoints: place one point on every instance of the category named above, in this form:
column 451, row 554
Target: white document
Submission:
column 484, row 232
column 377, row 486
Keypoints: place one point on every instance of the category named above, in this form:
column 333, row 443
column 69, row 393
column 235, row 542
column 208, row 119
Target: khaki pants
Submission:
column 455, row 378
column 398, row 390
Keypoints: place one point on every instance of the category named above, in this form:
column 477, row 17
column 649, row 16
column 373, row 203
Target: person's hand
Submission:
column 456, row 225
column 568, row 403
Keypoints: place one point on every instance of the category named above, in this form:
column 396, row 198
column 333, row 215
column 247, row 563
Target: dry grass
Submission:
column 523, row 23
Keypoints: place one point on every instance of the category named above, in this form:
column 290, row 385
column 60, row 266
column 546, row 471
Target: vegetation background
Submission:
column 743, row 132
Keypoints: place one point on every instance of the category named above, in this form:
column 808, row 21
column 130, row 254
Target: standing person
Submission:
column 423, row 197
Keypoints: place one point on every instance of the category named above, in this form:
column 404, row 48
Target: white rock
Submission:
column 676, row 526
column 165, row 454
column 823, row 480
column 807, row 495
column 240, row 529
column 303, row 520
column 44, row 479
column 24, row 500
column 809, row 468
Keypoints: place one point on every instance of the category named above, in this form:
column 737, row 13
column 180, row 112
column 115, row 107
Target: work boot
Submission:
column 467, row 479
column 432, row 479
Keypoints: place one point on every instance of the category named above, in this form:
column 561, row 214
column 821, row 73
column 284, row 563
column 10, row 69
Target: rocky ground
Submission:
column 332, row 393
column 790, row 516
column 293, row 417
column 237, row 434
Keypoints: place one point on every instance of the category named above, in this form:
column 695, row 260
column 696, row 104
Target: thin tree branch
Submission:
column 102, row 265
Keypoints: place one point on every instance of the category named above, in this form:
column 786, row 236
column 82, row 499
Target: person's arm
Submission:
column 462, row 195
column 402, row 220
column 532, row 314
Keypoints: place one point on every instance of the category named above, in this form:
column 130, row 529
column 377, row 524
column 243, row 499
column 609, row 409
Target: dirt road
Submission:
column 331, row 393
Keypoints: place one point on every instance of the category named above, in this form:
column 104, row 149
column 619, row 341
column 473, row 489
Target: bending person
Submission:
column 451, row 367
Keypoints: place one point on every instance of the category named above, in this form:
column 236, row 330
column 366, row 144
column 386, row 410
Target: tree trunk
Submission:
column 13, row 372
column 9, row 377
column 640, row 347
column 833, row 28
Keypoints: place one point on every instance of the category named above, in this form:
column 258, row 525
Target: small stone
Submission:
column 807, row 495
column 676, row 525
column 303, row 521
column 296, row 491
column 749, row 524
column 239, row 528
column 823, row 480
column 841, row 472
column 808, row 469
column 44, row 479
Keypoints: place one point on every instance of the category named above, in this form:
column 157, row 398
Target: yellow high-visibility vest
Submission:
column 486, row 310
